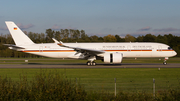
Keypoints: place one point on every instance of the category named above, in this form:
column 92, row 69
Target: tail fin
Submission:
column 18, row 36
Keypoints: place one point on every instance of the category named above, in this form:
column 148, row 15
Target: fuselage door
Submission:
column 40, row 48
column 128, row 48
column 160, row 48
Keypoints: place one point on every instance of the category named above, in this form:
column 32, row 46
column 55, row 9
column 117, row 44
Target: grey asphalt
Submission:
column 123, row 65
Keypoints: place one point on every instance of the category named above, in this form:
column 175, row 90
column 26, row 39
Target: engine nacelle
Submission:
column 113, row 57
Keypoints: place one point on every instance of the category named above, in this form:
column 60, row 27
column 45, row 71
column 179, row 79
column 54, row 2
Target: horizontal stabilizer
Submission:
column 13, row 46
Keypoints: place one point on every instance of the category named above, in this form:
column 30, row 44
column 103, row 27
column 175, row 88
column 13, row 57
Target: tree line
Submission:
column 73, row 35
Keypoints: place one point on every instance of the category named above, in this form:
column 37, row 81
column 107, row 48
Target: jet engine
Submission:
column 113, row 57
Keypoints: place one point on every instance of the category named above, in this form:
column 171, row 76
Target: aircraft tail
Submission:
column 18, row 36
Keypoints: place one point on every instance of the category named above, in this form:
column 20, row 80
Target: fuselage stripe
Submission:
column 165, row 50
column 103, row 50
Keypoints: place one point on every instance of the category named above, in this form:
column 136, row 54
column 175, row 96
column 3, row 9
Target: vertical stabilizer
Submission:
column 18, row 36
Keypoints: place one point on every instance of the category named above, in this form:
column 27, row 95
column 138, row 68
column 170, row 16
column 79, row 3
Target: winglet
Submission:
column 55, row 40
column 60, row 43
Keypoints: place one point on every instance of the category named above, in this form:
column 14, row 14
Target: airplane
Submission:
column 111, row 53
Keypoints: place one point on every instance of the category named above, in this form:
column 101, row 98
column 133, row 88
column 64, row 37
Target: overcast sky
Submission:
column 96, row 17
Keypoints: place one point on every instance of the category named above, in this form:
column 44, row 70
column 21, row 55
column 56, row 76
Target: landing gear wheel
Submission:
column 88, row 63
column 91, row 63
column 164, row 63
column 94, row 63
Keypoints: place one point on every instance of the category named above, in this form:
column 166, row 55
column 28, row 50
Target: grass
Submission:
column 128, row 79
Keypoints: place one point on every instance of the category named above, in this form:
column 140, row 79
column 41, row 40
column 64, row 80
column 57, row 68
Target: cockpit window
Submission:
column 169, row 48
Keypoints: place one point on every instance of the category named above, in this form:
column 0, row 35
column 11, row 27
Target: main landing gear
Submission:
column 91, row 60
column 165, row 63
column 89, row 63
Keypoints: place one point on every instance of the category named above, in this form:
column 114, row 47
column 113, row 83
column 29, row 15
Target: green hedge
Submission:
column 50, row 86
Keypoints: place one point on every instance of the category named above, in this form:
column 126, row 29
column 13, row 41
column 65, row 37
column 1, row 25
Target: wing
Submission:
column 86, row 52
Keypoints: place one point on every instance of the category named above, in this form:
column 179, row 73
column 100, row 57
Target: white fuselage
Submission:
column 127, row 49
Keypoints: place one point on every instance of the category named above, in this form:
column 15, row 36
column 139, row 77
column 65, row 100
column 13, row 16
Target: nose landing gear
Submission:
column 165, row 63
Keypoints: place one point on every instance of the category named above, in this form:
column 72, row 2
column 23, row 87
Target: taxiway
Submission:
column 123, row 65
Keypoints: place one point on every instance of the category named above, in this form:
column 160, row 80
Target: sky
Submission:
column 96, row 17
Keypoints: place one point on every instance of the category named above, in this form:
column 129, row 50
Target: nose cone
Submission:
column 174, row 53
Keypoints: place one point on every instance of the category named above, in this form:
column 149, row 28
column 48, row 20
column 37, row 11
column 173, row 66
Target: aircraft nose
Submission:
column 174, row 53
